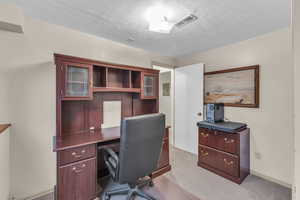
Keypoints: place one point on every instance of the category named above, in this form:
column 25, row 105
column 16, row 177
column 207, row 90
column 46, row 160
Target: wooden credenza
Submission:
column 226, row 154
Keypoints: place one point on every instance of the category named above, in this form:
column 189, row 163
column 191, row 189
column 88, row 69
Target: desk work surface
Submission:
column 86, row 138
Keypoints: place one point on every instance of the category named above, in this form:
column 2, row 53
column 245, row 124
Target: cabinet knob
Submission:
column 203, row 153
column 228, row 141
column 75, row 155
column 204, row 134
column 83, row 151
column 76, row 170
column 227, row 162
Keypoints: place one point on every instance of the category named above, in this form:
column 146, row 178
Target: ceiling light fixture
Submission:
column 157, row 17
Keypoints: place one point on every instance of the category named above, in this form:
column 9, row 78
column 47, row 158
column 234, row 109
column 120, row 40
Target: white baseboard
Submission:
column 253, row 172
column 36, row 195
column 271, row 179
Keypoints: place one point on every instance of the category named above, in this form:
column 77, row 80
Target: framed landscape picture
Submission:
column 238, row 87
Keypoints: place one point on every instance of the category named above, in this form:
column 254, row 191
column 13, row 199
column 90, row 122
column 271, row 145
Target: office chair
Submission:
column 140, row 148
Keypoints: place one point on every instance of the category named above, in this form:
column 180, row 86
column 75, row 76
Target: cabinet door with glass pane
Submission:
column 77, row 81
column 149, row 86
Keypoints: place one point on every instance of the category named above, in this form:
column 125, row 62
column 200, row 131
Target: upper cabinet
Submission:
column 77, row 81
column 149, row 85
column 80, row 78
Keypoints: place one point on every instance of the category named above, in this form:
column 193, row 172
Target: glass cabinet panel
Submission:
column 77, row 83
column 149, row 86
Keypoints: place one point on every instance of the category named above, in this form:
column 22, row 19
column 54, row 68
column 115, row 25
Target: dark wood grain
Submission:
column 164, row 155
column 76, row 154
column 226, row 154
column 220, row 140
column 61, row 57
column 256, row 84
column 3, row 127
column 77, row 181
column 161, row 171
column 86, row 138
column 99, row 76
column 79, row 119
column 244, row 151
column 135, row 79
column 141, row 107
column 115, row 89
column 74, row 117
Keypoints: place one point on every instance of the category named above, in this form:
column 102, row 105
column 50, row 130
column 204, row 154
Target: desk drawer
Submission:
column 77, row 181
column 219, row 160
column 76, row 154
column 229, row 164
column 219, row 140
column 207, row 155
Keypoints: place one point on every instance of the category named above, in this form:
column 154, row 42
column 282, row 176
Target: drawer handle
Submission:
column 227, row 162
column 203, row 153
column 76, row 170
column 228, row 141
column 204, row 135
column 75, row 155
column 83, row 151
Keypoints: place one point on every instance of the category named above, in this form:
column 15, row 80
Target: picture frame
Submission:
column 235, row 87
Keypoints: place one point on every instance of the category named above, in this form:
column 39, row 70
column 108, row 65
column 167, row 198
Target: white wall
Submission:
column 4, row 98
column 28, row 58
column 4, row 138
column 272, row 124
column 296, row 45
column 11, row 18
column 5, row 165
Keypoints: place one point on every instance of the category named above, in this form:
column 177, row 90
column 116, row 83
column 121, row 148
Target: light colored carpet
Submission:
column 208, row 186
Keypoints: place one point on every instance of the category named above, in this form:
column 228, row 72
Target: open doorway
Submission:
column 166, row 95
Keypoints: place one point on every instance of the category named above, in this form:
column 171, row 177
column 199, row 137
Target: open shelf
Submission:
column 99, row 76
column 117, row 78
column 135, row 79
column 106, row 79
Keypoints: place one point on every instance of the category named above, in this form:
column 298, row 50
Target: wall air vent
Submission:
column 187, row 20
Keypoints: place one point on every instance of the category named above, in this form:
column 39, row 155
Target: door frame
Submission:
column 171, row 69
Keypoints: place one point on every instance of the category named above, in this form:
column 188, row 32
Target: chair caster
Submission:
column 105, row 197
column 151, row 184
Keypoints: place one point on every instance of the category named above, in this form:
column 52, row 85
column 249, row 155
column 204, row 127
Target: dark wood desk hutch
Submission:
column 82, row 87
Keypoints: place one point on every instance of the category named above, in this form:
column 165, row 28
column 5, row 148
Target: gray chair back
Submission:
column 140, row 146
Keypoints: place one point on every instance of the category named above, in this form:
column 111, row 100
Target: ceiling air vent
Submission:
column 187, row 20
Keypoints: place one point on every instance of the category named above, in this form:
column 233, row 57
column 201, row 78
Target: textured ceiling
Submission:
column 220, row 22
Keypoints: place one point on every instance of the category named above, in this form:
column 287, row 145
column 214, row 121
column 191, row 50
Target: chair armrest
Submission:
column 113, row 169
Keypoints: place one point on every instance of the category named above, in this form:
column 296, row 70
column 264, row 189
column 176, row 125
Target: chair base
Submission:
column 130, row 191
